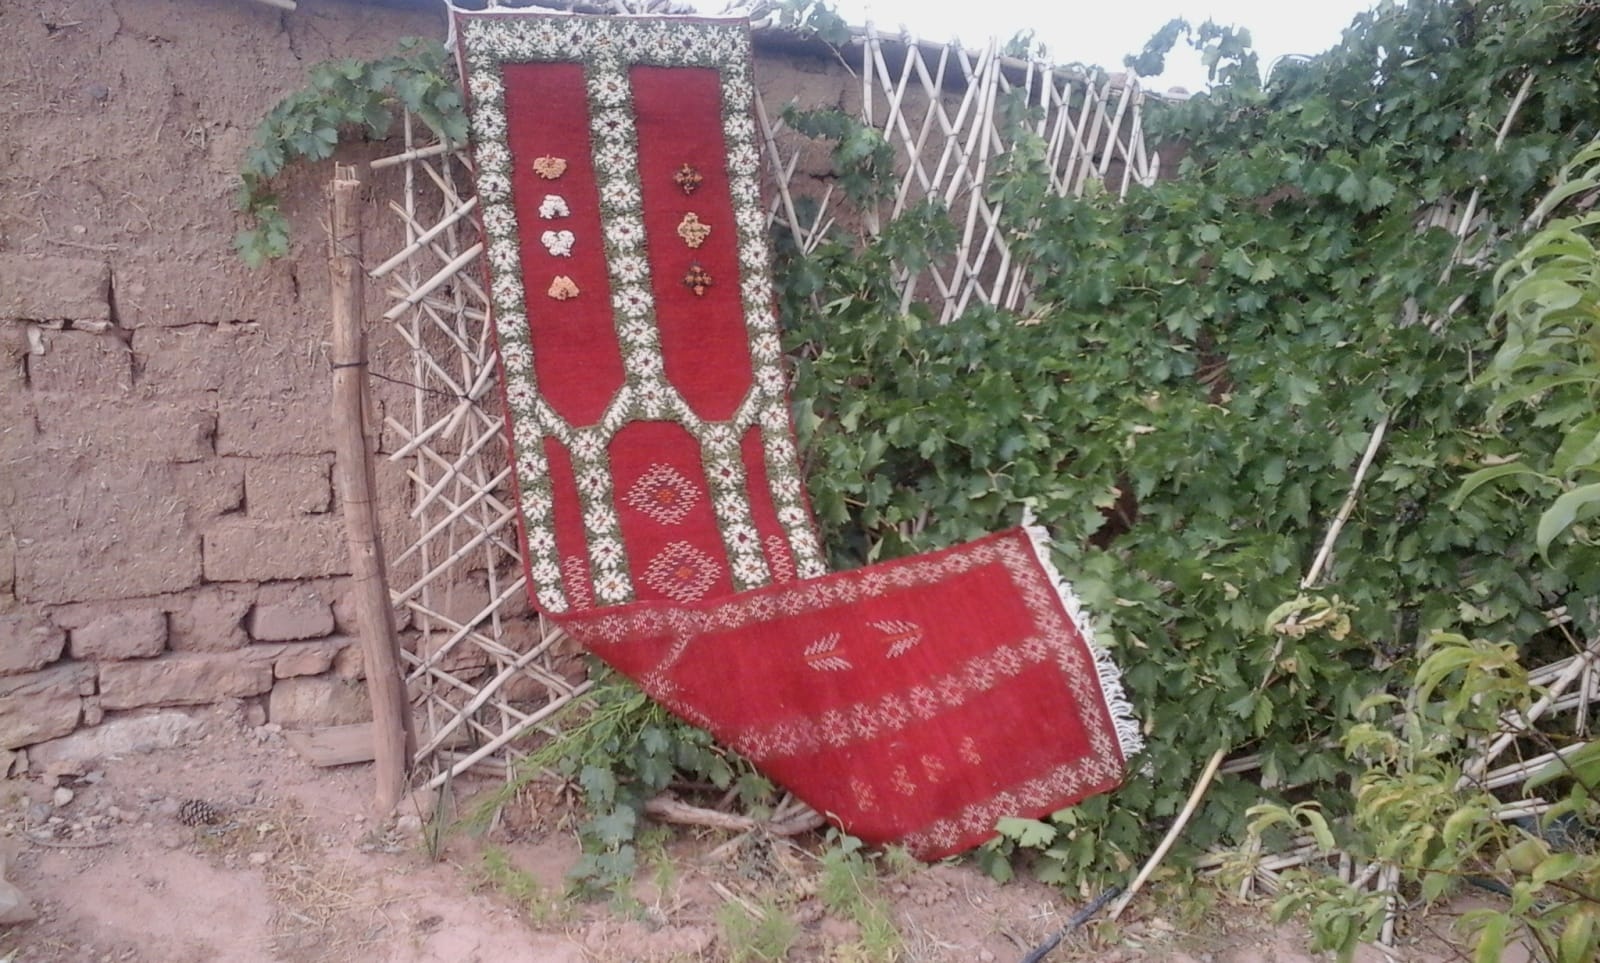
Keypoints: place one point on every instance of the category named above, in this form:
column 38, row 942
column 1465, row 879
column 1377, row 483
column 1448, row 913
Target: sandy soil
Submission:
column 294, row 870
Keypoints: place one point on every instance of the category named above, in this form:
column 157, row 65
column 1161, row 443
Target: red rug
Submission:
column 663, row 515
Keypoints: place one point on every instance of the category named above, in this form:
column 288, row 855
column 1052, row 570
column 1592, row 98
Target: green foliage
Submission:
column 1411, row 812
column 1187, row 396
column 1412, row 815
column 621, row 749
column 814, row 18
column 1550, row 359
column 341, row 95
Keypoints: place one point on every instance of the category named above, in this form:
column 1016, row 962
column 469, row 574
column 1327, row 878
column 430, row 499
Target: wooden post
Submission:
column 394, row 742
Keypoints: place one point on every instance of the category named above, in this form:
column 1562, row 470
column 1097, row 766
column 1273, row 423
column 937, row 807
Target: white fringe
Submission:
column 1129, row 734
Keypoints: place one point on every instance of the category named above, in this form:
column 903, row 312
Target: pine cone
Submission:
column 198, row 812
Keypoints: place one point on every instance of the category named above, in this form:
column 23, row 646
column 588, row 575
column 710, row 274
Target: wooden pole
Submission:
column 394, row 742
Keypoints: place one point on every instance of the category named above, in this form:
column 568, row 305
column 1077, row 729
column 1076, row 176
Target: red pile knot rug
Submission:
column 663, row 516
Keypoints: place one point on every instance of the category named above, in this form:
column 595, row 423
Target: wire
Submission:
column 1078, row 919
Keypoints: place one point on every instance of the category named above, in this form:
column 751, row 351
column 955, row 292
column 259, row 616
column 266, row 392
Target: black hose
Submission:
column 1078, row 919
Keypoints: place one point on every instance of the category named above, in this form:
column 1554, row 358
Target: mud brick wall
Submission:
column 169, row 529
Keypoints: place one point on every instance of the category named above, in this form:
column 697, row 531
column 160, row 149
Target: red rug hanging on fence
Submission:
column 663, row 516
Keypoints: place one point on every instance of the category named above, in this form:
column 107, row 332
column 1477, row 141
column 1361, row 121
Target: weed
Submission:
column 765, row 932
column 496, row 871
column 849, row 887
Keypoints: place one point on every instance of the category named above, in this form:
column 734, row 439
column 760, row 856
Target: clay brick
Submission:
column 81, row 362
column 8, row 568
column 13, row 354
column 345, row 618
column 292, row 660
column 136, row 634
column 106, row 427
column 263, row 428
column 161, row 292
column 287, row 613
column 54, row 288
column 29, row 642
column 212, row 620
column 101, row 530
column 244, row 550
column 245, row 360
column 186, row 679
column 288, row 487
column 42, row 705
column 210, row 488
column 312, row 701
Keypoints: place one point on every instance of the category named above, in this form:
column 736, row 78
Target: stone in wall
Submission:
column 42, row 705
column 294, row 659
column 120, row 736
column 184, row 679
column 29, row 642
column 313, row 701
column 286, row 613
column 211, row 619
column 135, row 634
column 54, row 288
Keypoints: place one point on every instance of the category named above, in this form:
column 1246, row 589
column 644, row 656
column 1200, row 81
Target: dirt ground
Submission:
column 293, row 869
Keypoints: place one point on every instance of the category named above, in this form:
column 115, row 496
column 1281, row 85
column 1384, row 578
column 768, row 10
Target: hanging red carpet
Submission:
column 663, row 515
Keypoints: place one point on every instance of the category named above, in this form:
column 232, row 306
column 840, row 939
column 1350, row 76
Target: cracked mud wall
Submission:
column 169, row 532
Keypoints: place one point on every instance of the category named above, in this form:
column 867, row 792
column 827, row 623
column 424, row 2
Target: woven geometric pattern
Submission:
column 486, row 670
column 616, row 167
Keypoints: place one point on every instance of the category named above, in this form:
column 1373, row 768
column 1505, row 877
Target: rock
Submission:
column 409, row 825
column 259, row 858
column 312, row 701
column 186, row 679
column 61, row 797
column 214, row 619
column 14, row 905
column 139, row 634
column 287, row 613
column 307, row 658
column 42, row 705
column 122, row 736
column 29, row 642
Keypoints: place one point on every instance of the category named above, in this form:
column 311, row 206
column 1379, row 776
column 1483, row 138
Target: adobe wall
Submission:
column 169, row 533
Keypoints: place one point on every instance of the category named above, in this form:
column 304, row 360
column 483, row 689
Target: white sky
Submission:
column 1101, row 33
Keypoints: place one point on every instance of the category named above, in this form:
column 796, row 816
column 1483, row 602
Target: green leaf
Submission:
column 1484, row 476
column 1577, row 943
column 1028, row 833
column 1492, row 940
column 1564, row 512
column 1557, row 867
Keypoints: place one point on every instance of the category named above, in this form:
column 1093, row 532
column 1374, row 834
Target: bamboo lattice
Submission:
column 483, row 670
